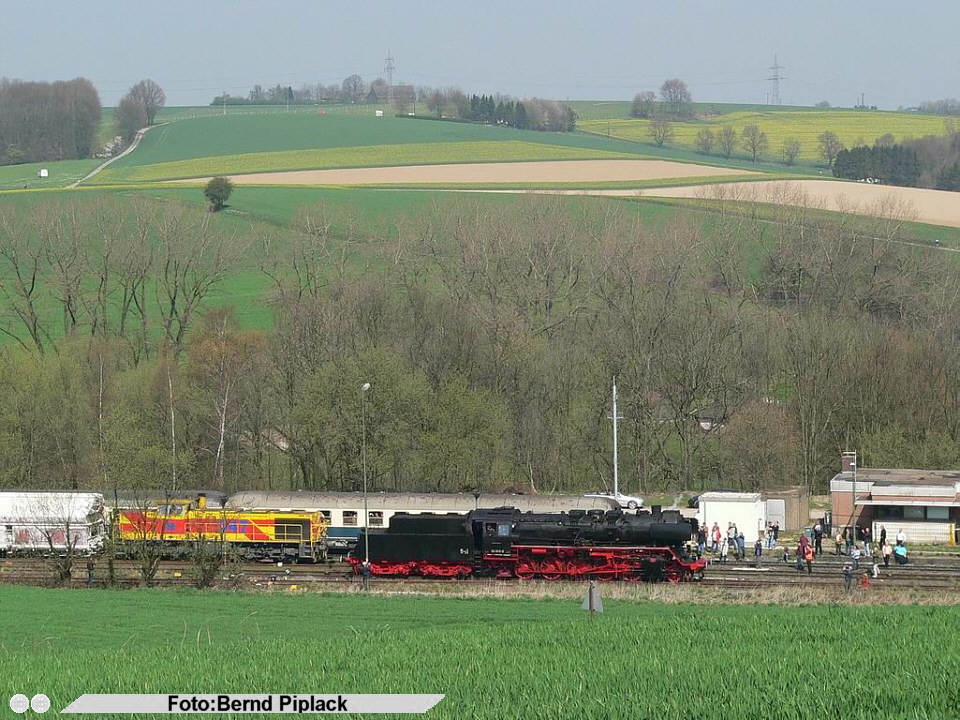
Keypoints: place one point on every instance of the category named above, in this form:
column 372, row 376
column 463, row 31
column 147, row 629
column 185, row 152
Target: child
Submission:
column 757, row 551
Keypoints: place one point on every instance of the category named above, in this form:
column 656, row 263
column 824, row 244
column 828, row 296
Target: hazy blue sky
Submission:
column 898, row 53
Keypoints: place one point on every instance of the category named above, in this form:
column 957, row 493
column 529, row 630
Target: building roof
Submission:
column 730, row 497
column 903, row 476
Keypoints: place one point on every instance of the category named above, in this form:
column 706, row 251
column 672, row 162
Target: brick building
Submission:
column 924, row 503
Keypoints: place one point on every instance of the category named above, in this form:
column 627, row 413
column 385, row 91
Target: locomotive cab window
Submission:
column 376, row 518
column 349, row 517
column 503, row 530
column 326, row 515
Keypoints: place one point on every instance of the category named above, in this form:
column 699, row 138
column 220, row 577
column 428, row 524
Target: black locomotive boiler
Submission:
column 506, row 543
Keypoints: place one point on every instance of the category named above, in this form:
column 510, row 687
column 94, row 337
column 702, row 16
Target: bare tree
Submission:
column 660, row 132
column 193, row 258
column 20, row 283
column 790, row 150
column 644, row 104
column 727, row 140
column 676, row 96
column 754, row 141
column 129, row 118
column 151, row 96
column 829, row 145
column 705, row 140
column 353, row 88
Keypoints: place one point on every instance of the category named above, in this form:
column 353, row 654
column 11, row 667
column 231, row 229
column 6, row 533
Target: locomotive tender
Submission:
column 505, row 543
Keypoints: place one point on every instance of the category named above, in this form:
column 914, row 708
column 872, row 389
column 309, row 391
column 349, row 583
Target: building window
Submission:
column 912, row 512
column 350, row 517
column 938, row 513
column 886, row 512
column 376, row 518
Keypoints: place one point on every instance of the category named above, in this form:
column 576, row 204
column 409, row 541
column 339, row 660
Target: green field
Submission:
column 492, row 658
column 853, row 127
column 344, row 157
column 62, row 173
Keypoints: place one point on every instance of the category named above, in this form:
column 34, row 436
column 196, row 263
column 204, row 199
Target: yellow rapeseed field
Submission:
column 853, row 127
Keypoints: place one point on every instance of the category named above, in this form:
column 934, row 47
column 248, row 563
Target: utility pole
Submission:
column 615, row 417
column 775, row 79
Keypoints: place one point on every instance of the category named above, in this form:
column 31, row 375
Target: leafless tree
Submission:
column 789, row 151
column 705, row 140
column 754, row 141
column 151, row 96
column 644, row 104
column 727, row 140
column 193, row 258
column 829, row 145
column 353, row 88
column 660, row 132
column 22, row 255
column 676, row 96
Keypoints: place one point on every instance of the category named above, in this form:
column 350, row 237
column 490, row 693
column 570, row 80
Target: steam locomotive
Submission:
column 506, row 543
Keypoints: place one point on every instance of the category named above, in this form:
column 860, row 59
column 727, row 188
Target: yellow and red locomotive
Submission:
column 251, row 534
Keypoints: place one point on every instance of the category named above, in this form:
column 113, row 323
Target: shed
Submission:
column 746, row 510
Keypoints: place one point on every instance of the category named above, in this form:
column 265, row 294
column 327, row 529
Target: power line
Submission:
column 775, row 79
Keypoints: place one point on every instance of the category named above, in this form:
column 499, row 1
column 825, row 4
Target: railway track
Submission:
column 943, row 576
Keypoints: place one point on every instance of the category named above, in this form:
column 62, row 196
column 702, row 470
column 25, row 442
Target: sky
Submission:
column 895, row 53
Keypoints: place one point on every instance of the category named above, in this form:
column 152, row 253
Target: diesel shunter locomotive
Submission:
column 505, row 543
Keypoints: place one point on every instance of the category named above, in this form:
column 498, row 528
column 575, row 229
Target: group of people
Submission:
column 720, row 543
column 846, row 539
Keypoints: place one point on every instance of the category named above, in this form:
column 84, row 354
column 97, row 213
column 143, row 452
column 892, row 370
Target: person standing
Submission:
column 883, row 536
column 901, row 537
column 724, row 550
column 838, row 540
column 701, row 540
column 848, row 539
column 715, row 533
column 855, row 553
column 887, row 551
column 865, row 534
column 818, row 538
column 757, row 551
column 847, row 576
column 808, row 558
column 776, row 531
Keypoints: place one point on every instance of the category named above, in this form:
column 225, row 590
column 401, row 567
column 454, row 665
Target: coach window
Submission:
column 349, row 517
column 376, row 518
column 938, row 513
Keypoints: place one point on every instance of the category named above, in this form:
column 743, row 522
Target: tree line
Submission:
column 932, row 161
column 47, row 120
column 748, row 353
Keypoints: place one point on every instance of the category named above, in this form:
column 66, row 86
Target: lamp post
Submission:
column 363, row 461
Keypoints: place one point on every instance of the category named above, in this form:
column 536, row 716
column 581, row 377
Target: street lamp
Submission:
column 363, row 461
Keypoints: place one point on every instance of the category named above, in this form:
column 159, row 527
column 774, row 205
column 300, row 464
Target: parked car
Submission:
column 631, row 502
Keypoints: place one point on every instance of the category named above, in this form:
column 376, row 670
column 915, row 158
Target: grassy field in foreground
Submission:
column 851, row 126
column 492, row 658
column 362, row 156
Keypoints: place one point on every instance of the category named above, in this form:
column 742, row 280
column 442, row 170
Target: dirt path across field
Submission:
column 938, row 207
column 553, row 171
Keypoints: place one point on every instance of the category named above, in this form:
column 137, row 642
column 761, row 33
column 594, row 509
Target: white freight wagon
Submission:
column 51, row 522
